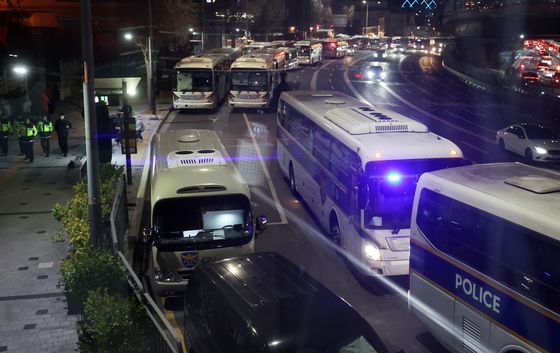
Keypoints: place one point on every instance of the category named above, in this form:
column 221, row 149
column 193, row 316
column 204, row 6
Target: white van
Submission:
column 200, row 208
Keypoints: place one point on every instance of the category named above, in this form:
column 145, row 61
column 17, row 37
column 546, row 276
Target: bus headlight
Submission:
column 540, row 150
column 372, row 252
column 369, row 74
column 166, row 276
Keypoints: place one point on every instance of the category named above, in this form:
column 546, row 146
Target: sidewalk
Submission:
column 33, row 315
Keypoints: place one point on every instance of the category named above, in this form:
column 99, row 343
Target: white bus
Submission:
column 253, row 81
column 309, row 52
column 200, row 208
column 201, row 81
column 335, row 48
column 485, row 250
column 356, row 167
column 257, row 46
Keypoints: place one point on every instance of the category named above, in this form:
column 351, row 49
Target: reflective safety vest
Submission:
column 45, row 126
column 5, row 127
column 30, row 131
column 19, row 127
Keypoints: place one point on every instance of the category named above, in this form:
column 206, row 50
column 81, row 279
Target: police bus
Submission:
column 253, row 81
column 335, row 48
column 309, row 52
column 356, row 166
column 485, row 250
column 200, row 208
column 201, row 82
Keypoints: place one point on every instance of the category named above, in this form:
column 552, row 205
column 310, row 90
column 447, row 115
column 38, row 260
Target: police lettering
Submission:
column 479, row 294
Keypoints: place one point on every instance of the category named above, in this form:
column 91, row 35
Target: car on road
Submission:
column 542, row 66
column 555, row 80
column 264, row 303
column 530, row 77
column 546, row 59
column 534, row 142
column 373, row 72
column 379, row 54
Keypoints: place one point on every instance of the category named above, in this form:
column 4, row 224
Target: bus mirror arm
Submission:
column 147, row 235
column 261, row 223
column 362, row 191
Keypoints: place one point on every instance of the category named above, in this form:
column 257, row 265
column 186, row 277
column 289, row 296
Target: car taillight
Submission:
column 358, row 75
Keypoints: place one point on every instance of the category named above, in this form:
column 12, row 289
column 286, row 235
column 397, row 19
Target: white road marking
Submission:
column 316, row 74
column 354, row 91
column 474, row 147
column 442, row 121
column 276, row 223
column 46, row 265
column 279, row 207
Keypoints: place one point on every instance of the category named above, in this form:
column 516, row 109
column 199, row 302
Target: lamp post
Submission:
column 22, row 71
column 147, row 52
column 367, row 13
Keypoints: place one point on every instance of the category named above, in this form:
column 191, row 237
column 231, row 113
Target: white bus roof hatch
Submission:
column 368, row 120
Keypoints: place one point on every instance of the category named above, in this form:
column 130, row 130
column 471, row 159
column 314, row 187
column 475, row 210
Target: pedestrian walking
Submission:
column 29, row 138
column 5, row 131
column 19, row 128
column 139, row 129
column 45, row 128
column 61, row 126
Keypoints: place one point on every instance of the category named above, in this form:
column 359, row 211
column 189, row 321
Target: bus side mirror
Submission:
column 261, row 223
column 147, row 235
column 362, row 196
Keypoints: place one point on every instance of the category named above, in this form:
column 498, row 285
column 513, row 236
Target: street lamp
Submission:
column 367, row 13
column 147, row 52
column 22, row 71
column 521, row 36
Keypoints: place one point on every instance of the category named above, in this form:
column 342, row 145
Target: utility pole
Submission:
column 149, row 69
column 125, row 134
column 93, row 182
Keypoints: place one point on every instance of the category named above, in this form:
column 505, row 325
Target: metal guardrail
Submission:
column 163, row 338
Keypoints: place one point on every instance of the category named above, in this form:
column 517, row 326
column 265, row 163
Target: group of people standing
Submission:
column 27, row 131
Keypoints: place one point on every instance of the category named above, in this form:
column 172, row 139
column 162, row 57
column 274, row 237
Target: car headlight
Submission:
column 375, row 55
column 369, row 74
column 166, row 276
column 540, row 150
column 382, row 75
column 372, row 252
column 384, row 55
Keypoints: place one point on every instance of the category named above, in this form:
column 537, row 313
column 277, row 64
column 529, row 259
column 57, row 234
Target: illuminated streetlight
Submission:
column 237, row 29
column 191, row 29
column 128, row 36
column 367, row 12
column 521, row 36
column 22, row 71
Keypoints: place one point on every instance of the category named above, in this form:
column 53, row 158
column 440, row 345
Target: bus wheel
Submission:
column 334, row 230
column 293, row 187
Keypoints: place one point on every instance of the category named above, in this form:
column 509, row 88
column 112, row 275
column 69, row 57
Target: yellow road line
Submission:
column 170, row 316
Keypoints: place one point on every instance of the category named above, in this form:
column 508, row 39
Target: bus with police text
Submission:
column 484, row 269
column 356, row 167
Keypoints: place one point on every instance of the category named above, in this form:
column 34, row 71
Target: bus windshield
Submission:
column 194, row 80
column 209, row 221
column 249, row 80
column 304, row 51
column 391, row 189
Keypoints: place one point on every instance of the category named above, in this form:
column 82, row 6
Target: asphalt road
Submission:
column 416, row 86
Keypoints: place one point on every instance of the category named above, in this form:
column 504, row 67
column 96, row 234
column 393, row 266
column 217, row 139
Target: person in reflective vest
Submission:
column 45, row 128
column 30, row 132
column 5, row 131
column 19, row 128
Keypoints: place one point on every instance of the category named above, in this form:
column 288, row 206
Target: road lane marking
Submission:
column 442, row 121
column 354, row 91
column 45, row 265
column 474, row 147
column 469, row 121
column 170, row 316
column 316, row 74
column 279, row 207
column 276, row 223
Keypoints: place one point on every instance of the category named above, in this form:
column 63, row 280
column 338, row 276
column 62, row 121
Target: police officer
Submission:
column 30, row 132
column 19, row 127
column 61, row 125
column 5, row 131
column 45, row 128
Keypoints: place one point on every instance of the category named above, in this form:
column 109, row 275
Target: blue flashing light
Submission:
column 394, row 177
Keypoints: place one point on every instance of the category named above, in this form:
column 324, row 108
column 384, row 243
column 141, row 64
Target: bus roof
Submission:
column 305, row 43
column 204, row 61
column 535, row 192
column 369, row 130
column 192, row 163
column 254, row 60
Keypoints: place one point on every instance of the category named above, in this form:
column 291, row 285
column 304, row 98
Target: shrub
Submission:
column 81, row 273
column 112, row 324
column 74, row 214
